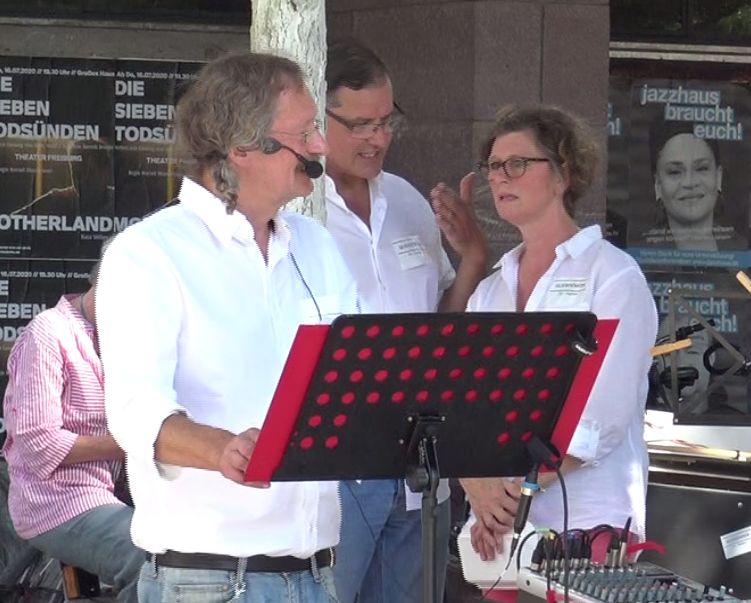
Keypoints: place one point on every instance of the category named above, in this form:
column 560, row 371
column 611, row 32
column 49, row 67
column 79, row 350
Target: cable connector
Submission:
column 538, row 556
column 614, row 549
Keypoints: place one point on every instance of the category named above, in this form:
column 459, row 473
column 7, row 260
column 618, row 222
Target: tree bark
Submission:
column 296, row 29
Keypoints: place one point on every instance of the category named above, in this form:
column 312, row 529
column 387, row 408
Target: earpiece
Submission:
column 269, row 146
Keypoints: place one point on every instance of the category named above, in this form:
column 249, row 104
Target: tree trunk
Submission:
column 296, row 29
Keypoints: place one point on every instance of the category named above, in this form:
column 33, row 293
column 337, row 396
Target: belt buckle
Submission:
column 332, row 556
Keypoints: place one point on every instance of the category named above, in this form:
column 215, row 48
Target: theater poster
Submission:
column 678, row 177
column 85, row 150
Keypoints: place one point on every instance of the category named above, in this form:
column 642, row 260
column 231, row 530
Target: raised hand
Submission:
column 456, row 218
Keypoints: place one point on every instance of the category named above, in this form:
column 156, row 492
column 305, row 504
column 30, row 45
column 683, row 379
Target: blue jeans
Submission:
column 178, row 585
column 98, row 541
column 379, row 557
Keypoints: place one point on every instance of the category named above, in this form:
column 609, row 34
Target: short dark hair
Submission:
column 662, row 131
column 351, row 64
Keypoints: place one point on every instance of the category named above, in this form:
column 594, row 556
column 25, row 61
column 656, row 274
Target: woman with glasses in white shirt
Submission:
column 539, row 161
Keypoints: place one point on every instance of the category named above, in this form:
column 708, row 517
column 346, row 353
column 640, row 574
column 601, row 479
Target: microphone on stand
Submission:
column 683, row 332
column 312, row 168
column 529, row 488
column 543, row 454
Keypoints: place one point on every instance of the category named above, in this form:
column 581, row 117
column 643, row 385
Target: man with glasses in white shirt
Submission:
column 391, row 241
column 198, row 306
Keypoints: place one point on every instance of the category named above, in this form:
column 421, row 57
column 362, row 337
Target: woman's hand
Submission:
column 494, row 502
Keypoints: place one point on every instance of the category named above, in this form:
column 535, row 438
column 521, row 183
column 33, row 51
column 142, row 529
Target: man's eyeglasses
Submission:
column 513, row 167
column 305, row 134
column 365, row 130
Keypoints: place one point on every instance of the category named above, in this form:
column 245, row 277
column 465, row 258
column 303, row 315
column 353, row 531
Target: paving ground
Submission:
column 457, row 590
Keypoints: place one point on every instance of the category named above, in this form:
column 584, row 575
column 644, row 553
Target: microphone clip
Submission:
column 530, row 485
column 544, row 454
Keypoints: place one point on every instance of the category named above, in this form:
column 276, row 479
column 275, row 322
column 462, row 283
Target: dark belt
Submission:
column 257, row 563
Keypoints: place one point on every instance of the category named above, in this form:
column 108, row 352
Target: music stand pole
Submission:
column 423, row 475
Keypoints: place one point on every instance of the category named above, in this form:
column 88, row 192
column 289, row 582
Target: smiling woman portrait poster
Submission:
column 688, row 190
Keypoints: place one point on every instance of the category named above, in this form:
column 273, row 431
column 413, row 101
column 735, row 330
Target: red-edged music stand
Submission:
column 428, row 396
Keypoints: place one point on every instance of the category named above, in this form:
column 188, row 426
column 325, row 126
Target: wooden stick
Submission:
column 744, row 280
column 666, row 348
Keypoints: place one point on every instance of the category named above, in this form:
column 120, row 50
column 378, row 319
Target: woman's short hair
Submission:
column 565, row 140
column 231, row 103
column 662, row 131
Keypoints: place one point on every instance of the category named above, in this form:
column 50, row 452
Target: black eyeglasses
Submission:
column 365, row 130
column 513, row 167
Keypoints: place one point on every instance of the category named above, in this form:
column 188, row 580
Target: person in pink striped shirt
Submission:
column 62, row 461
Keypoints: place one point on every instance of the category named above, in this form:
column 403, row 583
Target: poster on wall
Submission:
column 709, row 391
column 616, row 227
column 679, row 188
column 686, row 198
column 85, row 151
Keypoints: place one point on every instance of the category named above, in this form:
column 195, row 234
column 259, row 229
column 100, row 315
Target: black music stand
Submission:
column 428, row 396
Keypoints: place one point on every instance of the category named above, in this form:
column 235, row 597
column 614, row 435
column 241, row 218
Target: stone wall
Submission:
column 455, row 62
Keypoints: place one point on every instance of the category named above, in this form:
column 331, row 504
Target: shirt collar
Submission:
column 376, row 185
column 333, row 196
column 580, row 242
column 66, row 307
column 572, row 247
column 212, row 211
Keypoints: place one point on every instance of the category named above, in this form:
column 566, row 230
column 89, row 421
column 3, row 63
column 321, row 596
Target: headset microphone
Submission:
column 312, row 168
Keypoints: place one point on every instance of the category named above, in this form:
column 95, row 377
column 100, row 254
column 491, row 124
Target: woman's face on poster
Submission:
column 687, row 179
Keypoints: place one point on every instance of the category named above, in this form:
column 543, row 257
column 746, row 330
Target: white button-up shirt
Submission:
column 193, row 320
column 399, row 262
column 589, row 274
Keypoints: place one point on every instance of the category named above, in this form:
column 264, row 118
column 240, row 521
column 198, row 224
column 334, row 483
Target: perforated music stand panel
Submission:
column 495, row 380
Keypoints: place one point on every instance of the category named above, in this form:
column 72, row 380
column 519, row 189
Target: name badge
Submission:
column 566, row 292
column 410, row 251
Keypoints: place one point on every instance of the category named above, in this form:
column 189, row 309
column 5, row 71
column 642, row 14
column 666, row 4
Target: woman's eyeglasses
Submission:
column 513, row 167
